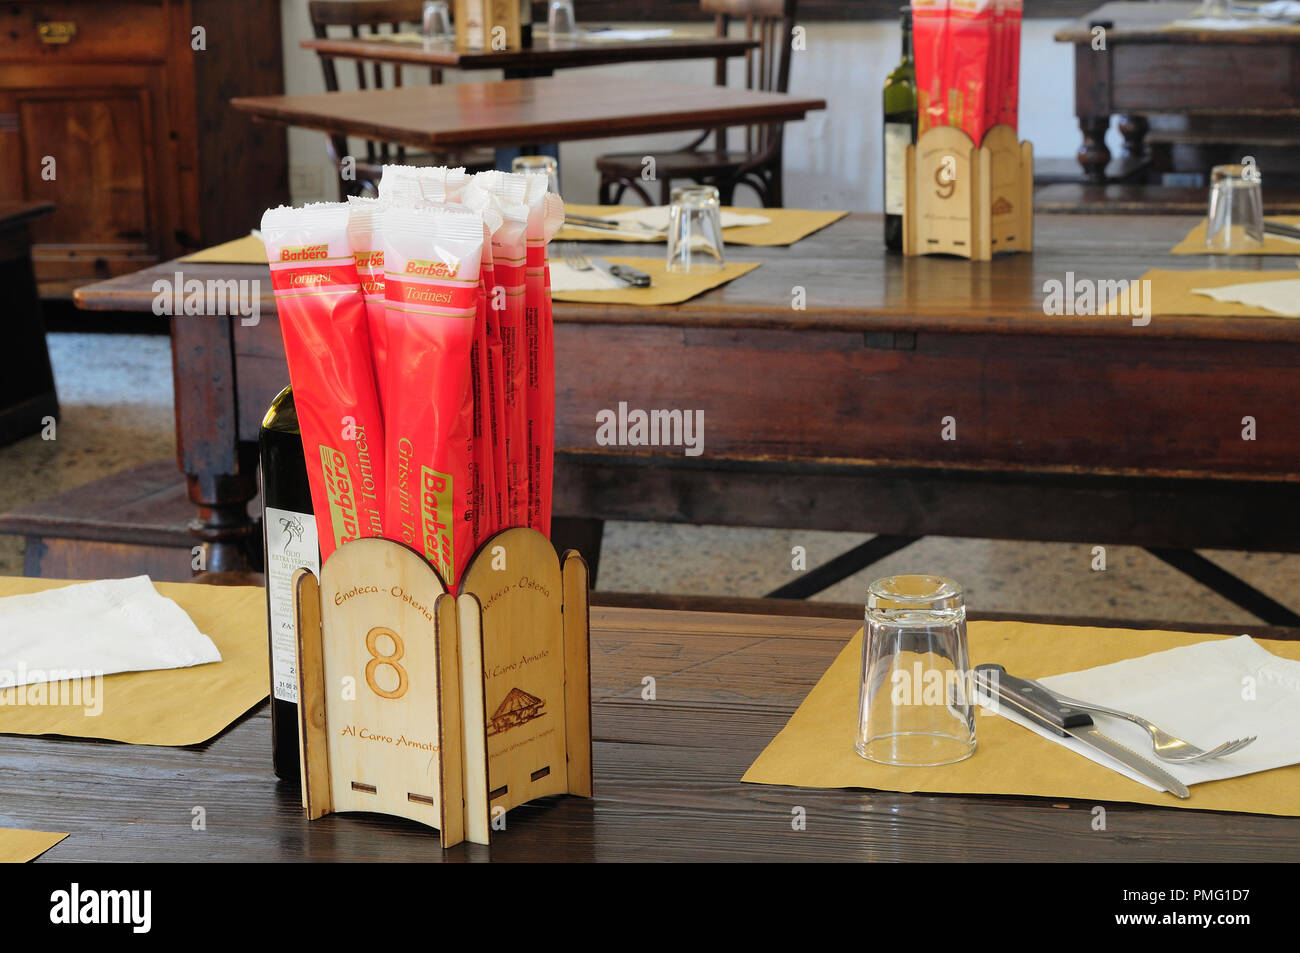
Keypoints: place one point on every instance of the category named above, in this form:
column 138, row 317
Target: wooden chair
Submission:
column 356, row 14
column 767, row 68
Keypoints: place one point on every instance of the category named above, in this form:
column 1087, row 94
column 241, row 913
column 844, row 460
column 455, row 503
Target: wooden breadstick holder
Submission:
column 968, row 201
column 445, row 709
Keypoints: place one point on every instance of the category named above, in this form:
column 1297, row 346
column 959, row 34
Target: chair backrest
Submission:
column 767, row 66
column 356, row 14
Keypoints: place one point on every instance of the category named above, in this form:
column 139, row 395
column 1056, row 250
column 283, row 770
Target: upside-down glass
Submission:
column 544, row 164
column 915, row 706
column 695, row 230
column 560, row 19
column 437, row 21
column 1236, row 219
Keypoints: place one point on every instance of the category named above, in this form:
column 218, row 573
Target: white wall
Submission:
column 832, row 158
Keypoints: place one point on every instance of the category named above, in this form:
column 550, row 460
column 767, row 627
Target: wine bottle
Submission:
column 526, row 24
column 289, row 542
column 900, row 132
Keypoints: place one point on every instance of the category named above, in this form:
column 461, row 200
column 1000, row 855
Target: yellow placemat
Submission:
column 787, row 226
column 1263, row 26
column 664, row 288
column 815, row 749
column 1194, row 243
column 248, row 250
column 18, row 847
column 179, row 706
column 1171, row 293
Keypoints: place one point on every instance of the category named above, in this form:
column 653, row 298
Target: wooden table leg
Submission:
column 220, row 471
column 27, row 395
column 1093, row 154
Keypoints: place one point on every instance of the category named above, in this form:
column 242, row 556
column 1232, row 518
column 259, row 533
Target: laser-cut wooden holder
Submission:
column 447, row 710
column 968, row 201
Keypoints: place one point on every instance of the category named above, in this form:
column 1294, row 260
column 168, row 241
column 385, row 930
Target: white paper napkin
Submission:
column 112, row 625
column 1280, row 297
column 633, row 35
column 1206, row 693
column 564, row 277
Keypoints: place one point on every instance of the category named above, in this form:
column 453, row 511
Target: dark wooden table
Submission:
column 521, row 111
column 1068, row 428
column 666, row 781
column 546, row 54
column 27, row 395
column 1145, row 70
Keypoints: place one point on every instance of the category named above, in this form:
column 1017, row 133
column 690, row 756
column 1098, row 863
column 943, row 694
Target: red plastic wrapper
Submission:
column 1011, row 64
column 368, row 251
column 508, row 194
column 930, row 40
column 993, row 98
column 545, row 216
column 970, row 35
column 327, row 343
column 432, row 259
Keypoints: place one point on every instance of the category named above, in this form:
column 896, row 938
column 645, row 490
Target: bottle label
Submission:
column 898, row 136
column 290, row 545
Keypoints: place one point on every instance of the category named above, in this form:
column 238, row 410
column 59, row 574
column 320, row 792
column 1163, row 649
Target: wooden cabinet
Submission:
column 118, row 112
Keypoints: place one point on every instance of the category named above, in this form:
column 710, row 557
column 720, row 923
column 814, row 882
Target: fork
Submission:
column 1167, row 747
column 575, row 261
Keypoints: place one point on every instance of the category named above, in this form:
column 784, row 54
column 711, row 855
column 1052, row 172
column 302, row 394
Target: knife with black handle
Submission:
column 1036, row 703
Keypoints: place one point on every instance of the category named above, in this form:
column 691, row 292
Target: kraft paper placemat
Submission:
column 787, row 226
column 815, row 749
column 18, row 847
column 664, row 288
column 248, row 250
column 179, row 706
column 1194, row 243
column 1171, row 293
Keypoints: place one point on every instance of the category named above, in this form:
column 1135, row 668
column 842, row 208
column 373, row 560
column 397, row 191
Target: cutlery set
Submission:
column 1068, row 717
column 632, row 277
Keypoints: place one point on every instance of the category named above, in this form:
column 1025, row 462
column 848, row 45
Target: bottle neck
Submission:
column 907, row 38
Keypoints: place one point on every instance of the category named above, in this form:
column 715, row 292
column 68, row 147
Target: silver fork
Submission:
column 575, row 261
column 1167, row 747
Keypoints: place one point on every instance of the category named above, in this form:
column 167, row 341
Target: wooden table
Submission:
column 1068, row 428
column 666, row 781
column 545, row 55
column 1146, row 69
column 521, row 111
column 27, row 396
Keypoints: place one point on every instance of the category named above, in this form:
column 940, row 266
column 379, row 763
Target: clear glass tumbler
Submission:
column 545, row 165
column 437, row 21
column 560, row 19
column 915, row 706
column 695, row 230
column 1236, row 219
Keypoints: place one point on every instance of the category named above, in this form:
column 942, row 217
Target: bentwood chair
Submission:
column 356, row 14
column 758, row 165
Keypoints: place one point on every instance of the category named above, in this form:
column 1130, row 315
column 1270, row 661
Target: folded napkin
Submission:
column 96, row 628
column 1206, row 693
column 615, row 35
column 1281, row 297
column 564, row 277
column 1288, row 9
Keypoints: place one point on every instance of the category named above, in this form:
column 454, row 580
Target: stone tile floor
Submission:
column 117, row 412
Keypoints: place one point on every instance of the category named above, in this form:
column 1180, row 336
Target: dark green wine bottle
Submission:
column 289, row 542
column 900, row 132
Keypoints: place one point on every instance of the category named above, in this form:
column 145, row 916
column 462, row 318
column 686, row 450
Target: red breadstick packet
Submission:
column 1011, row 63
column 545, row 217
column 930, row 39
column 994, row 94
column 327, row 343
column 508, row 194
column 970, row 30
column 432, row 259
column 368, row 251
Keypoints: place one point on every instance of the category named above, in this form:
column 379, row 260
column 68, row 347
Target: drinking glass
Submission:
column 547, row 165
column 560, row 20
column 1236, row 219
column 437, row 21
column 695, row 230
column 915, row 706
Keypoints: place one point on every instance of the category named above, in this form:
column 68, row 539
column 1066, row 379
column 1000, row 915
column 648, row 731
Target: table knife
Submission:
column 1036, row 703
column 624, row 273
column 1278, row 228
